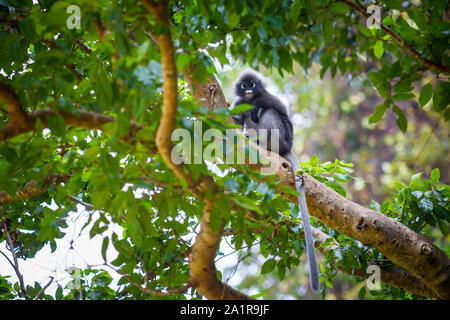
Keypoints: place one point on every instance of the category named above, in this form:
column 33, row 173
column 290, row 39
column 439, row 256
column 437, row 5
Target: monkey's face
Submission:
column 249, row 89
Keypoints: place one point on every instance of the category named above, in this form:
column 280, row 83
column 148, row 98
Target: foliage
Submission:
column 129, row 184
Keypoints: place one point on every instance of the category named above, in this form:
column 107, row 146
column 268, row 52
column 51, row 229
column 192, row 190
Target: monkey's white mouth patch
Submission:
column 248, row 92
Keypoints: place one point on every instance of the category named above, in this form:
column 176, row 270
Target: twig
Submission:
column 16, row 263
column 38, row 296
column 152, row 292
column 426, row 142
column 428, row 63
column 88, row 206
column 10, row 262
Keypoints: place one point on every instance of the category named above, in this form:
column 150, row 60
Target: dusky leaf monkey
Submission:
column 268, row 113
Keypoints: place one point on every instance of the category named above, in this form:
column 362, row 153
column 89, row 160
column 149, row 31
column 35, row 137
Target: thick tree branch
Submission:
column 79, row 118
column 201, row 263
column 427, row 63
column 13, row 104
column 209, row 93
column 391, row 275
column 397, row 242
column 170, row 96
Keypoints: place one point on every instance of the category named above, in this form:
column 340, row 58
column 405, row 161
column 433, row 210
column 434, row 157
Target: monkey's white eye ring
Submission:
column 243, row 86
column 253, row 84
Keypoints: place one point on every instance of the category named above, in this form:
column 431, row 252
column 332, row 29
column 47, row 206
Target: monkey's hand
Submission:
column 237, row 118
column 254, row 115
column 261, row 103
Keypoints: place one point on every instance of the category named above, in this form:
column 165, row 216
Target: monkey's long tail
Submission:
column 313, row 267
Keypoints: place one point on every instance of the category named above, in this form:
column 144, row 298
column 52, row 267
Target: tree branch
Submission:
column 427, row 63
column 201, row 265
column 170, row 97
column 201, row 262
column 30, row 189
column 391, row 275
column 13, row 104
column 80, row 118
column 88, row 206
column 209, row 93
column 397, row 242
column 39, row 295
column 11, row 248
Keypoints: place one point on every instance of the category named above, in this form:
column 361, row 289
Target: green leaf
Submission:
column 426, row 205
column 336, row 187
column 268, row 266
column 375, row 205
column 441, row 96
column 394, row 4
column 327, row 28
column 364, row 30
column 415, row 179
column 403, row 87
column 281, row 266
column 57, row 124
column 402, row 122
column 338, row 8
column 262, row 188
column 403, row 96
column 381, row 83
column 232, row 185
column 425, row 94
column 435, row 176
column 379, row 113
column 27, row 28
column 296, row 9
column 378, row 49
column 241, row 108
column 262, row 31
column 443, row 226
column 59, row 293
column 418, row 16
column 233, row 19
column 314, row 160
column 105, row 247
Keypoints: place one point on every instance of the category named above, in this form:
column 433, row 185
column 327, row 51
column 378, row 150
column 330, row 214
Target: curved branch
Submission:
column 170, row 94
column 201, row 263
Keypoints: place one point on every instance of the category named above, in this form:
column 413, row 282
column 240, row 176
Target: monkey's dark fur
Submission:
column 264, row 105
column 269, row 112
